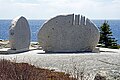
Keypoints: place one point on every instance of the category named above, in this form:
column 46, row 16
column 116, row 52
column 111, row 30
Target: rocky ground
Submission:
column 82, row 65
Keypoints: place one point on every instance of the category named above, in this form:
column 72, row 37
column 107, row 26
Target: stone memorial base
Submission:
column 10, row 51
column 95, row 50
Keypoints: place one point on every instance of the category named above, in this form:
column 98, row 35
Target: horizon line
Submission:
column 48, row 19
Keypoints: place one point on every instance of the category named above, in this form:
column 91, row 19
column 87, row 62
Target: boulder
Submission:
column 19, row 34
column 68, row 33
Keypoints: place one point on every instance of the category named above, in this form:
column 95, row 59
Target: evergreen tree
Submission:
column 106, row 37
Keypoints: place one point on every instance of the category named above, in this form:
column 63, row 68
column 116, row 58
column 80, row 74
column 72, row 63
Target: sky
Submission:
column 46, row 9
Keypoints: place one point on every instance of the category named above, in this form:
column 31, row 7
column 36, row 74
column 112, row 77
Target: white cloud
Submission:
column 49, row 8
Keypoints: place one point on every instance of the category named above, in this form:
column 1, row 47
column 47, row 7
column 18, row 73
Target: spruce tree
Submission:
column 106, row 36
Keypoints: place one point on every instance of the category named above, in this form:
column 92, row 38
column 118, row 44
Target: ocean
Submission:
column 35, row 25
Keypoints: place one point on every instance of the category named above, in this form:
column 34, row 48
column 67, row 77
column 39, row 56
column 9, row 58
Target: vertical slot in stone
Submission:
column 82, row 22
column 77, row 19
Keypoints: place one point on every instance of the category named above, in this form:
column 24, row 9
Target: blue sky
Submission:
column 45, row 9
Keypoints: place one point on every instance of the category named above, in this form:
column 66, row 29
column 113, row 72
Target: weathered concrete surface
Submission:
column 19, row 34
column 68, row 34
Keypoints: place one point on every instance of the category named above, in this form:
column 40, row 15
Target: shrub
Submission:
column 24, row 71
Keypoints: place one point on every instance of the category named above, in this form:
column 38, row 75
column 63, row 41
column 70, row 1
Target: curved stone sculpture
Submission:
column 19, row 34
column 68, row 34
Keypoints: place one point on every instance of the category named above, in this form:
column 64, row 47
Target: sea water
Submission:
column 35, row 25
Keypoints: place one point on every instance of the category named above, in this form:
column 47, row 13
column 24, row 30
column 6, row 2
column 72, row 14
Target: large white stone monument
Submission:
column 19, row 34
column 68, row 33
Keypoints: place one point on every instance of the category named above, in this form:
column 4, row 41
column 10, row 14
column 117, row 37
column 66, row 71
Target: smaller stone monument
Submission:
column 19, row 34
